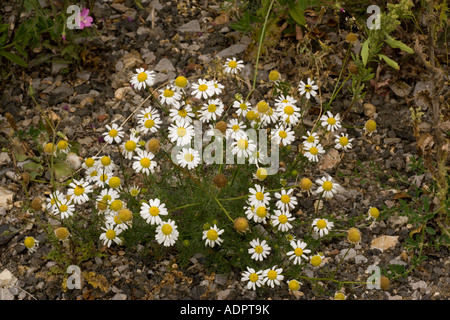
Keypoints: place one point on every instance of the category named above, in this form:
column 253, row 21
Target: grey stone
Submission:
column 350, row 255
column 5, row 294
column 233, row 50
column 165, row 65
column 57, row 67
column 418, row 285
column 191, row 26
column 7, row 278
column 360, row 259
column 156, row 5
column 226, row 294
column 119, row 296
column 221, row 279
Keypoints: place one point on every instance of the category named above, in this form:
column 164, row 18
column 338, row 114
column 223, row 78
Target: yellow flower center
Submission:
column 316, row 261
column 182, row 113
column 282, row 134
column 289, row 110
column 166, row 229
column 321, row 224
column 305, row 184
column 272, row 274
column 243, row 106
column 202, row 87
column 125, row 215
column 298, row 252
column 242, row 144
column 145, row 162
column 78, row 191
column 294, row 285
column 29, row 242
column 251, row 115
column 62, row 145
column 261, row 212
column 327, row 186
column 314, row 151
column 89, row 162
column 261, row 173
column 49, row 148
column 149, row 123
column 311, row 139
column 262, row 107
column 130, row 145
column 343, row 141
column 106, row 161
column 181, row 82
column 285, row 198
column 282, row 218
column 232, row 64
column 63, row 208
column 113, row 133
column 259, row 196
column 212, row 235
column 308, row 88
column 371, row 125
column 259, row 249
column 253, row 277
column 168, row 93
column 274, row 75
column 331, row 121
column 93, row 173
column 116, row 205
column 212, row 108
column 154, row 211
column 181, row 131
column 114, row 182
column 142, row 77
column 374, row 212
column 188, row 157
column 235, row 128
column 110, row 234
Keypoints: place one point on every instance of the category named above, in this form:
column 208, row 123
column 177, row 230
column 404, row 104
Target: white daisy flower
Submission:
column 143, row 162
column 243, row 147
column 182, row 112
column 282, row 219
column 217, row 87
column 242, row 107
column 232, row 66
column 308, row 88
column 113, row 219
column 283, row 135
column 311, row 138
column 289, row 114
column 287, row 201
column 53, row 201
column 254, row 278
column 373, row 213
column 105, row 198
column 284, row 100
column 167, row 233
column 259, row 249
column 330, row 122
column 259, row 213
column 181, row 133
column 180, row 84
column 90, row 175
column 102, row 178
column 189, row 158
column 322, row 226
column 212, row 236
column 313, row 151
column 115, row 133
column 106, row 164
column 258, row 196
column 142, row 79
column 111, row 235
column 65, row 209
column 134, row 190
column 269, row 117
column 148, row 113
column 203, row 89
column 258, row 157
column 90, row 163
column 31, row 244
column 63, row 146
column 299, row 251
column 169, row 96
column 151, row 124
column 273, row 276
column 130, row 147
column 343, row 142
column 153, row 211
column 326, row 186
column 211, row 111
column 235, row 129
column 79, row 190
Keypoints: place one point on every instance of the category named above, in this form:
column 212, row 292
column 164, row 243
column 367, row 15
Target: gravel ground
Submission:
column 184, row 40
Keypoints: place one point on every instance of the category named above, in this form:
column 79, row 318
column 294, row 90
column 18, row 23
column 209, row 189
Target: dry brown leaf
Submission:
column 384, row 242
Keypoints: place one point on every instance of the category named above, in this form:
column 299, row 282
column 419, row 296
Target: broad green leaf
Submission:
column 393, row 43
column 390, row 62
column 365, row 52
column 14, row 58
column 34, row 168
column 62, row 170
column 430, row 230
column 297, row 14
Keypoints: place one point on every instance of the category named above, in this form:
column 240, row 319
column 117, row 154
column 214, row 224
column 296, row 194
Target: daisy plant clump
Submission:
column 204, row 165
